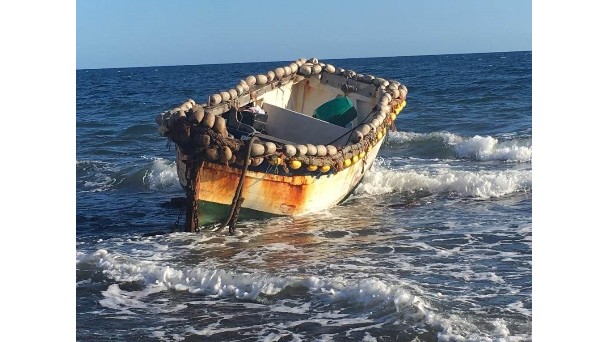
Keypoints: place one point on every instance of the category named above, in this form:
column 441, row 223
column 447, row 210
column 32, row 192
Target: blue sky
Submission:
column 124, row 33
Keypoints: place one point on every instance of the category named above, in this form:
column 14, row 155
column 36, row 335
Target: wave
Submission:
column 481, row 184
column 93, row 176
column 161, row 174
column 476, row 148
column 155, row 174
column 367, row 294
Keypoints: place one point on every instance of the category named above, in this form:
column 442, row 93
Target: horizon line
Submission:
column 248, row 62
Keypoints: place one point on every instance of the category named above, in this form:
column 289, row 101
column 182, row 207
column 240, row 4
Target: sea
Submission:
column 435, row 244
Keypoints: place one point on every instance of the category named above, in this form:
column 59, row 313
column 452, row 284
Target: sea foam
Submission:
column 477, row 147
column 161, row 174
column 481, row 184
column 369, row 293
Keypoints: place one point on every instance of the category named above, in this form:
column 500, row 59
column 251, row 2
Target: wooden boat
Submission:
column 295, row 140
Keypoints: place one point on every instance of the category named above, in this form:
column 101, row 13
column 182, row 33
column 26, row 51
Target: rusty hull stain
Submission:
column 265, row 192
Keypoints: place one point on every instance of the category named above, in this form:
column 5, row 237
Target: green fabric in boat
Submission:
column 339, row 111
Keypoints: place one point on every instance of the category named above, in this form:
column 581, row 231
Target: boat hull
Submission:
column 268, row 194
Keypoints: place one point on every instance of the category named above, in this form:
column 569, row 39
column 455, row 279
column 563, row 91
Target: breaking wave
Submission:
column 476, row 148
column 154, row 174
column 402, row 305
column 481, row 184
column 162, row 174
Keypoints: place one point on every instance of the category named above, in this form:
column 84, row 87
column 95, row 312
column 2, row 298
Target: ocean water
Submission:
column 434, row 245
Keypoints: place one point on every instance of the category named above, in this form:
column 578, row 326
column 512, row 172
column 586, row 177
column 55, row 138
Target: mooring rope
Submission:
column 237, row 200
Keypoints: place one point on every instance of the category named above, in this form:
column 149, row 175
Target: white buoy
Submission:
column 389, row 96
column 233, row 94
column 245, row 86
column 239, row 89
column 225, row 154
column 305, row 70
column 330, row 69
column 299, row 62
column 313, row 60
column 311, row 150
column 270, row 76
column 269, row 147
column 261, row 79
column 356, row 137
column 294, row 68
column 321, row 150
column 250, row 80
column 257, row 150
column 384, row 109
column 198, row 115
column 186, row 106
column 331, row 150
column 225, row 96
column 375, row 122
column 302, row 150
column 395, row 93
column 208, row 120
column 316, row 69
column 287, row 70
column 365, row 129
column 215, row 99
column 385, row 100
column 279, row 73
column 220, row 126
column 290, row 150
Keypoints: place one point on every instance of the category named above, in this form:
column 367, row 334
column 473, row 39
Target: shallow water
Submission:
column 435, row 244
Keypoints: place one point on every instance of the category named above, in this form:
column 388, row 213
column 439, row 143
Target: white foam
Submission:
column 477, row 147
column 482, row 184
column 367, row 293
column 98, row 175
column 162, row 174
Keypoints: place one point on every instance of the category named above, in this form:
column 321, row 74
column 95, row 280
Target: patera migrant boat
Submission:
column 295, row 140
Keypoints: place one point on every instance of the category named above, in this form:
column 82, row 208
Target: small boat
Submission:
column 295, row 140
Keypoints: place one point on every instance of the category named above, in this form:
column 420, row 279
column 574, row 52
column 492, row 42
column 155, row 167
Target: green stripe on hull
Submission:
column 210, row 213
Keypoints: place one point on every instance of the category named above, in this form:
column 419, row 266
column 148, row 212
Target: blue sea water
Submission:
column 434, row 245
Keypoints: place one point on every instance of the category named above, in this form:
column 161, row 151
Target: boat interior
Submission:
column 290, row 113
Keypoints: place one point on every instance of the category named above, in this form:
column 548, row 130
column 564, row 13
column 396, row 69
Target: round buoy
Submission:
column 233, row 94
column 295, row 164
column 215, row 99
column 312, row 168
column 250, row 80
column 208, row 120
column 311, row 150
column 279, row 73
column 290, row 150
column 302, row 150
column 270, row 75
column 261, row 79
column 269, row 147
column 331, row 150
column 321, row 150
column 257, row 150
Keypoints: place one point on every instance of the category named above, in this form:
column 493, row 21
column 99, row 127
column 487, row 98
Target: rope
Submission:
column 352, row 129
column 237, row 200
